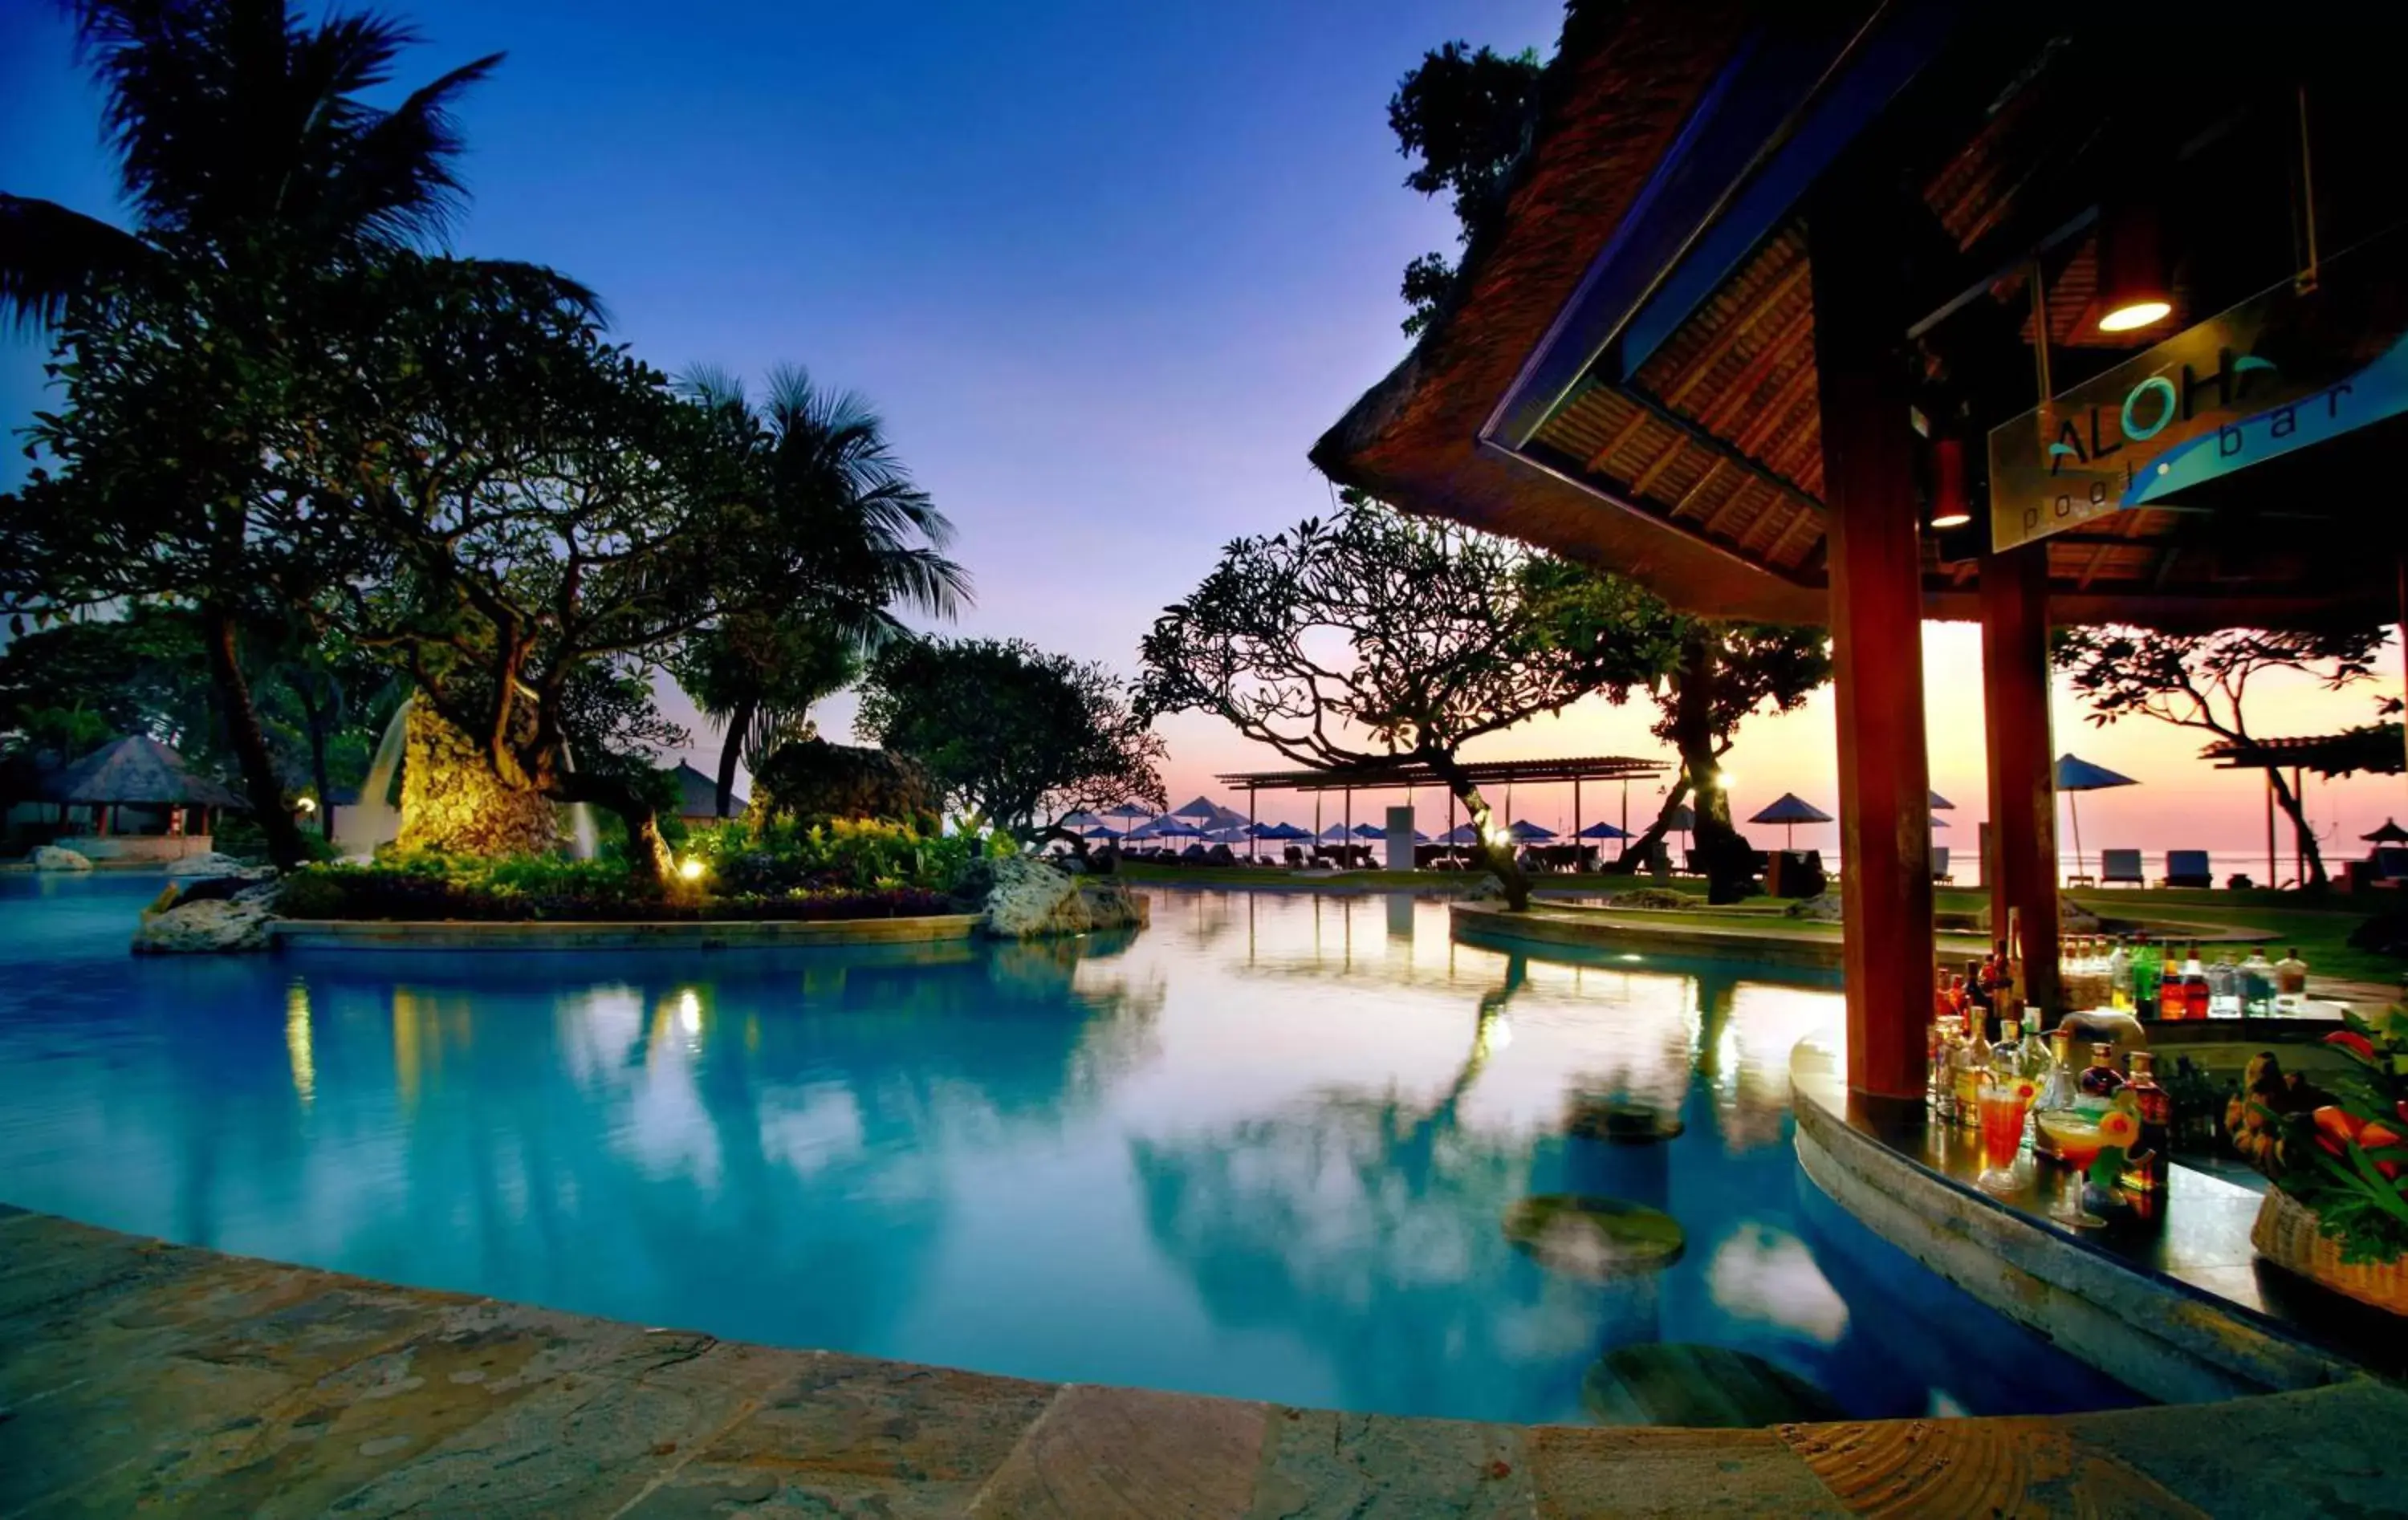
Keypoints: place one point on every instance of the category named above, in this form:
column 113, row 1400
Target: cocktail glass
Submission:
column 2003, row 1137
column 2078, row 1143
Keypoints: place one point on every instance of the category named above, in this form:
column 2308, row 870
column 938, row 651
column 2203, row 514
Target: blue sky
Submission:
column 1108, row 269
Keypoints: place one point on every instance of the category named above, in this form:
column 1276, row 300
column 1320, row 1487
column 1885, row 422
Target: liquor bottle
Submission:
column 2224, row 988
column 2119, row 978
column 2146, row 965
column 2145, row 1163
column 2291, row 983
column 2196, row 993
column 2099, row 1080
column 1960, row 1000
column 2007, row 1051
column 1936, row 1092
column 1972, row 1065
column 1977, row 1009
column 2012, row 985
column 2257, row 984
column 2036, row 1064
column 2168, row 1001
column 2059, row 1092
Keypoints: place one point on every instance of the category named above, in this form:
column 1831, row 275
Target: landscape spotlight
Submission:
column 691, row 868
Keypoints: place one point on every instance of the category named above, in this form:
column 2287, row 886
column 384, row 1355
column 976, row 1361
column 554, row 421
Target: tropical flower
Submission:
column 2025, row 1089
column 2118, row 1127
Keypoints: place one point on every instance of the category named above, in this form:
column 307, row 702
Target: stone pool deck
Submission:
column 136, row 1375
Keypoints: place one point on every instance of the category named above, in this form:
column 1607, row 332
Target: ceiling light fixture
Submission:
column 1950, row 506
column 2133, row 290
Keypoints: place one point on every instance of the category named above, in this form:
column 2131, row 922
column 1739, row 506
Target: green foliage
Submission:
column 2199, row 682
column 844, row 870
column 1462, row 118
column 775, row 856
column 237, row 836
column 2361, row 1210
column 1011, row 733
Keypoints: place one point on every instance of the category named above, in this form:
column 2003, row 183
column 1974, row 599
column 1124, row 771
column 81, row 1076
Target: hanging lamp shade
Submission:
column 1951, row 506
column 2133, row 289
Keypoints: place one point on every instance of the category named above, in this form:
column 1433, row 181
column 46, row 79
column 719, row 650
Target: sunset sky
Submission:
column 1107, row 269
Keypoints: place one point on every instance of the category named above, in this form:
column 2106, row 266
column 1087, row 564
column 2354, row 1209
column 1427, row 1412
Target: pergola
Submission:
column 1391, row 775
column 2376, row 749
column 1864, row 314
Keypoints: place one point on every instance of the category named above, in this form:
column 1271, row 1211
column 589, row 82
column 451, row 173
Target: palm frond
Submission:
column 50, row 255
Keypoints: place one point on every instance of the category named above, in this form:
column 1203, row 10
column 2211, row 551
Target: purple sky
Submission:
column 1107, row 269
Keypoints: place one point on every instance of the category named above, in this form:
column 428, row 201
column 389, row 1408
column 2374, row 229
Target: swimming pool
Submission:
column 1261, row 1149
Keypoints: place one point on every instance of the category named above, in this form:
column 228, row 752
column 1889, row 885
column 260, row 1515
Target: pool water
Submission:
column 1261, row 1149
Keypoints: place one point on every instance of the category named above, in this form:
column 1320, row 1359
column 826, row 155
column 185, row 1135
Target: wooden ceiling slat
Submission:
column 1776, row 410
column 1597, row 461
column 1714, row 468
column 1695, row 373
column 1716, row 415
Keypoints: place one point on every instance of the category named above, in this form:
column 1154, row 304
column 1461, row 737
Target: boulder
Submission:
column 211, row 928
column 2072, row 918
column 1656, row 897
column 812, row 780
column 210, row 863
column 1594, row 1240
column 452, row 802
column 1822, row 908
column 50, row 857
column 1487, row 889
column 1021, row 896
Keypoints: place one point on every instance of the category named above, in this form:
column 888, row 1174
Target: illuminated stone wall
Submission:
column 452, row 800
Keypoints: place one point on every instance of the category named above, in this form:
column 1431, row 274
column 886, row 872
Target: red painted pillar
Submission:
column 1875, row 556
column 2023, row 784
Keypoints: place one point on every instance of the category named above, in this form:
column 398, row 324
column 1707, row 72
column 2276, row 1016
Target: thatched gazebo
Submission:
column 139, row 772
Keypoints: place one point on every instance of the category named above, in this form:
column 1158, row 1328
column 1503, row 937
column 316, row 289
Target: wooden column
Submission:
column 2022, row 789
column 1876, row 571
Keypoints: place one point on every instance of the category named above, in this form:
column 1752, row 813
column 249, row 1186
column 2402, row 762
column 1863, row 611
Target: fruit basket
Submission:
column 2289, row 1235
column 2338, row 1212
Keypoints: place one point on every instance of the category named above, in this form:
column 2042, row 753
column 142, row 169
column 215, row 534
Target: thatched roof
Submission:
column 1618, row 97
column 698, row 793
column 138, row 770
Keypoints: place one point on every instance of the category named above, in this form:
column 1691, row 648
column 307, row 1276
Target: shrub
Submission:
column 778, row 856
column 240, row 838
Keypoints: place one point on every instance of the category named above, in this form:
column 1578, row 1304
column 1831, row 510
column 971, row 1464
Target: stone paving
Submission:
column 137, row 1377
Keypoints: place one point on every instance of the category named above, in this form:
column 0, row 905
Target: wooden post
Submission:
column 2022, row 789
column 1876, row 573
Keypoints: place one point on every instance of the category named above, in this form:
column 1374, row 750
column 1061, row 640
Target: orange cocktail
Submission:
column 2003, row 1134
column 2078, row 1142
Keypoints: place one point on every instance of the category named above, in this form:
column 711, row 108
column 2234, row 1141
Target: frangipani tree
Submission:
column 1373, row 635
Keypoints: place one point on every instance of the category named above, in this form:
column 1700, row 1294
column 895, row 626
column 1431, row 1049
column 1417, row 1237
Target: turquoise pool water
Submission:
column 1261, row 1149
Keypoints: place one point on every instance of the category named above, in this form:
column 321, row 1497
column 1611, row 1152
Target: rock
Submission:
column 812, row 780
column 1487, row 889
column 50, row 857
column 264, row 894
column 1699, row 1387
column 202, row 889
column 2072, row 918
column 1822, row 907
column 1595, row 1240
column 452, row 800
column 1021, row 896
column 210, row 863
column 1655, row 898
column 209, row 927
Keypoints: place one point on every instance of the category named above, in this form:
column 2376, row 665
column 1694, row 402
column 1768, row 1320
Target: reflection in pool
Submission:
column 1262, row 1149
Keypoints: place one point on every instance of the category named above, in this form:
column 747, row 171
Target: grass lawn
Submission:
column 2320, row 932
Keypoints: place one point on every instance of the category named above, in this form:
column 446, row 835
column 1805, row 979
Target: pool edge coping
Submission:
column 606, row 935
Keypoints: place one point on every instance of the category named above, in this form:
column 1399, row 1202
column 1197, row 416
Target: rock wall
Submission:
column 812, row 779
column 452, row 800
column 1023, row 897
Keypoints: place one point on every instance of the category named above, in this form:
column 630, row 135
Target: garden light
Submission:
column 691, row 868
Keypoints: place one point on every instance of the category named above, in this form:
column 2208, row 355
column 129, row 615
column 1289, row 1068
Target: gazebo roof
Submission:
column 2376, row 747
column 138, row 770
column 698, row 793
column 1624, row 371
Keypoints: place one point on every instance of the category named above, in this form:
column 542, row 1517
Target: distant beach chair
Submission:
column 2121, row 865
column 2188, row 868
column 1940, row 871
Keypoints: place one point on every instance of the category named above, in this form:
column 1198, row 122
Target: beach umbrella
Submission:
column 1603, row 831
column 2076, row 774
column 1940, row 804
column 2390, row 833
column 1129, row 813
column 1196, row 807
column 1460, row 834
column 1083, row 819
column 1334, row 834
column 1168, row 826
column 1102, row 831
column 1790, row 811
column 1528, row 832
column 1369, row 831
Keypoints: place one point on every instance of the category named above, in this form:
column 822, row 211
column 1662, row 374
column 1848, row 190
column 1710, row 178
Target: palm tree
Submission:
column 823, row 454
column 247, row 157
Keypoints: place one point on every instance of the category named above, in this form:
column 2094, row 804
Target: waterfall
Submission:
column 581, row 843
column 374, row 820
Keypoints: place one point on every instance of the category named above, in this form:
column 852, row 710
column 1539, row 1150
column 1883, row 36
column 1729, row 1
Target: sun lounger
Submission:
column 2188, row 868
column 2121, row 866
column 1940, row 871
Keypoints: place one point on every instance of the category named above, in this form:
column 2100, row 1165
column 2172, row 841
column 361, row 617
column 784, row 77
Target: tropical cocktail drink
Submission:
column 2078, row 1142
column 2002, row 1136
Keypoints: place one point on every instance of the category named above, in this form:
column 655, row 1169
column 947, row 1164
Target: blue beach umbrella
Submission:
column 1197, row 808
column 1282, row 831
column 1460, row 834
column 1603, row 831
column 1530, row 833
column 2076, row 775
column 1369, row 831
